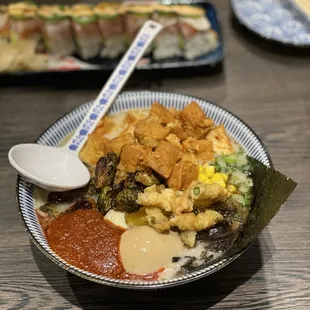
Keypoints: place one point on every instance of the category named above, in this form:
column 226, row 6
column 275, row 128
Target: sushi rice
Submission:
column 197, row 34
column 108, row 28
column 57, row 29
column 4, row 24
column 86, row 31
column 110, row 21
column 24, row 23
column 134, row 17
column 167, row 43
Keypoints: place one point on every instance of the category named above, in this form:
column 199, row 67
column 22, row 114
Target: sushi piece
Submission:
column 57, row 29
column 86, row 31
column 24, row 24
column 167, row 43
column 198, row 36
column 4, row 24
column 134, row 17
column 110, row 21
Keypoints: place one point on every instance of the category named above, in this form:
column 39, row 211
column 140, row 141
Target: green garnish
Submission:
column 196, row 191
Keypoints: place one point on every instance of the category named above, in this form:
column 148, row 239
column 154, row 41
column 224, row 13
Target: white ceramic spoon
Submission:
column 59, row 168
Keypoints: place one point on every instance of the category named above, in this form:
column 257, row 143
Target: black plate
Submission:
column 176, row 67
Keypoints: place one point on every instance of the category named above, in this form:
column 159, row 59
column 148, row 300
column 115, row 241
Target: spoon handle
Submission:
column 114, row 85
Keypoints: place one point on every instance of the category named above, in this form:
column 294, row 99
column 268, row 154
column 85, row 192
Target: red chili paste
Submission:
column 86, row 240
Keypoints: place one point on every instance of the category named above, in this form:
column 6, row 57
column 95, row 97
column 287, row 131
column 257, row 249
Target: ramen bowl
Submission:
column 64, row 126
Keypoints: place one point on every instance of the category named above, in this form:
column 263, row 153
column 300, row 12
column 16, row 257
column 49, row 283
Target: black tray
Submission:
column 208, row 64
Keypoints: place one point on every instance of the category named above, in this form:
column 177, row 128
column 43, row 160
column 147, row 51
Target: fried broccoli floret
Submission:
column 91, row 187
column 105, row 170
column 146, row 178
column 105, row 200
column 50, row 209
column 68, row 196
column 125, row 200
column 83, row 203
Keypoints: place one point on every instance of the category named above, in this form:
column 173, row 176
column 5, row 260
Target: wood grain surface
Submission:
column 268, row 87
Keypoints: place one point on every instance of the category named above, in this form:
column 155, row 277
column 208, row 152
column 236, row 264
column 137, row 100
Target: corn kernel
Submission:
column 217, row 177
column 210, row 170
column 201, row 169
column 232, row 189
column 221, row 183
column 225, row 177
column 208, row 181
column 202, row 177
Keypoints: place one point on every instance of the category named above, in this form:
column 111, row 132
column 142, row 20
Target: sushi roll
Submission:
column 56, row 29
column 167, row 43
column 86, row 31
column 197, row 35
column 4, row 24
column 24, row 23
column 134, row 17
column 111, row 27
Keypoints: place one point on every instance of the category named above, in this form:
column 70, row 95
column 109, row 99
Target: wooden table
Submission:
column 271, row 92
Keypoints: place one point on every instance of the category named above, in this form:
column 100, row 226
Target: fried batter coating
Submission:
column 188, row 237
column 164, row 200
column 167, row 200
column 201, row 221
column 157, row 219
column 205, row 195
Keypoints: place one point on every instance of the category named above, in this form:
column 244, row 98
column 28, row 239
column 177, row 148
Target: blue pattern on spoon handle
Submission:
column 114, row 85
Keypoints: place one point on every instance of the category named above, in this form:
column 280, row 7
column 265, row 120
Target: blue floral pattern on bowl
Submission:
column 273, row 20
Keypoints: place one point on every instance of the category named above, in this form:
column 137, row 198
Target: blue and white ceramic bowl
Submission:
column 58, row 131
column 273, row 20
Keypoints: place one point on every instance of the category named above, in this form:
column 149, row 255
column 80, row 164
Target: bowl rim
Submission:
column 145, row 286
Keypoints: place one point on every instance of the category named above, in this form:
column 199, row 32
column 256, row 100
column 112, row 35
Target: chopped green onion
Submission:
column 238, row 178
column 231, row 159
column 238, row 198
column 196, row 191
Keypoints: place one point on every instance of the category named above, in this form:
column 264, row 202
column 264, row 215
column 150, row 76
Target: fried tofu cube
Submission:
column 221, row 143
column 174, row 140
column 161, row 114
column 104, row 126
column 177, row 129
column 150, row 133
column 190, row 157
column 95, row 147
column 183, row 174
column 119, row 142
column 203, row 149
column 195, row 115
column 163, row 159
column 132, row 155
column 194, row 121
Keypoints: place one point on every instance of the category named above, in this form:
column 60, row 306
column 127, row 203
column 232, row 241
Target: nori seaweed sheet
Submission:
column 271, row 189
